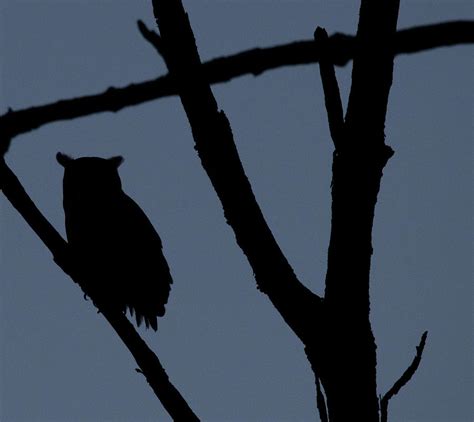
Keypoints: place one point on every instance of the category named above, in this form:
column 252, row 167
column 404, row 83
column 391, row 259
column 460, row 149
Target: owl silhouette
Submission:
column 113, row 243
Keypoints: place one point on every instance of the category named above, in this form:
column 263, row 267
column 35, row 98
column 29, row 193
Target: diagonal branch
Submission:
column 16, row 194
column 403, row 380
column 148, row 362
column 219, row 157
column 254, row 62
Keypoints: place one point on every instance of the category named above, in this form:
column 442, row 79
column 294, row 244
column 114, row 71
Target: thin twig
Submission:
column 403, row 380
column 151, row 36
column 332, row 96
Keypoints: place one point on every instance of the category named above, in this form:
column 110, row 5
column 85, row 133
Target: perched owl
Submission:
column 112, row 241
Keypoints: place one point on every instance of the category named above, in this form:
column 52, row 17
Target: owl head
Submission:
column 90, row 174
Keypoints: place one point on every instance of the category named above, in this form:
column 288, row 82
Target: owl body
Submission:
column 112, row 240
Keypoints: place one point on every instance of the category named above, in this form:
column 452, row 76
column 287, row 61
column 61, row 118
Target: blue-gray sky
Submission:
column 222, row 343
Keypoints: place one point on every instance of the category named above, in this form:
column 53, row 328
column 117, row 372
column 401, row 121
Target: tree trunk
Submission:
column 344, row 355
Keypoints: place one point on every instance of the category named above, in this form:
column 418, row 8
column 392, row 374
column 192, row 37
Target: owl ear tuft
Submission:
column 63, row 159
column 116, row 161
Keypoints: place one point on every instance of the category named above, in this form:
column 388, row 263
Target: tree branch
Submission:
column 148, row 362
column 152, row 37
column 332, row 96
column 357, row 169
column 372, row 71
column 255, row 61
column 16, row 194
column 403, row 380
column 219, row 157
column 349, row 361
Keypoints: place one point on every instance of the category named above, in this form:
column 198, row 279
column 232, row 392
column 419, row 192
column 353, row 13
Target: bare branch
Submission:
column 16, row 194
column 351, row 387
column 357, row 173
column 151, row 36
column 219, row 157
column 403, row 380
column 332, row 97
column 372, row 71
column 255, row 62
column 148, row 362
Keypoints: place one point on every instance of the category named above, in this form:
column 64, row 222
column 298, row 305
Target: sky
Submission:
column 222, row 343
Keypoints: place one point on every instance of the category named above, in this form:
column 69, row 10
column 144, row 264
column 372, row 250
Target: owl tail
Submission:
column 150, row 321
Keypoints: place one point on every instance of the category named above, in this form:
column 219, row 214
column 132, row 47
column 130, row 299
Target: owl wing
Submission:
column 147, row 281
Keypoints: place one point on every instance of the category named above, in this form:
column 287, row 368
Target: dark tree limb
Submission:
column 332, row 96
column 255, row 62
column 357, row 168
column 16, row 194
column 147, row 361
column 403, row 380
column 347, row 362
column 215, row 146
column 372, row 70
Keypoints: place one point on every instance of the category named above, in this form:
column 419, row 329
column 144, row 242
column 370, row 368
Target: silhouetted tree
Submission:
column 335, row 329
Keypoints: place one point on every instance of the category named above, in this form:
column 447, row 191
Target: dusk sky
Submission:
column 223, row 344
